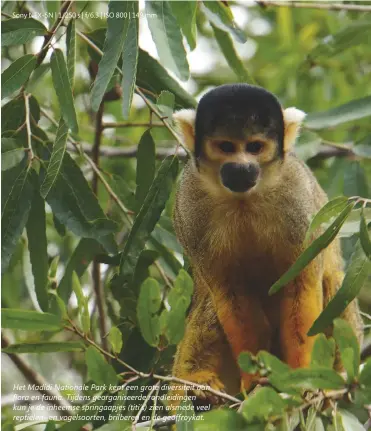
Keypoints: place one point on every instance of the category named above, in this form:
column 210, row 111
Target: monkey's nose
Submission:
column 239, row 177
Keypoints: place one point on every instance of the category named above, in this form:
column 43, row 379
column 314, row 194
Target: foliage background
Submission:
column 317, row 60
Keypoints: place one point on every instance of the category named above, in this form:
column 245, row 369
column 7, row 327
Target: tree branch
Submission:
column 121, row 125
column 307, row 5
column 96, row 275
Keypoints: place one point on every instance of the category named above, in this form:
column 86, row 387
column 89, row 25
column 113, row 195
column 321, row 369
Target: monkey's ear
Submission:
column 292, row 118
column 185, row 122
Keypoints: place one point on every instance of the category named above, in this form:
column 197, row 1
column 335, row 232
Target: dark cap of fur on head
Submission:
column 234, row 109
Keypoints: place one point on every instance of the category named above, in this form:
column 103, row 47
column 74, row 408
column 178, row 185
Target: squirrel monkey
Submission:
column 242, row 210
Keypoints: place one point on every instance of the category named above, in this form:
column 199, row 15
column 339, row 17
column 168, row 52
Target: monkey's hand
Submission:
column 208, row 379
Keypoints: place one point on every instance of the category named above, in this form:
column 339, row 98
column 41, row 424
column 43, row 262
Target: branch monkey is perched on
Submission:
column 242, row 211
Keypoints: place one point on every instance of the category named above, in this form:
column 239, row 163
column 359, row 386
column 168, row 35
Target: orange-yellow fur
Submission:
column 239, row 245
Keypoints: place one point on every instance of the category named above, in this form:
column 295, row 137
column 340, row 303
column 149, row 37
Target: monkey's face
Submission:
column 235, row 165
column 238, row 137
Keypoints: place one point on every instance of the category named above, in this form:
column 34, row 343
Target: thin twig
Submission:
column 96, row 275
column 119, row 125
column 129, row 152
column 52, row 397
column 48, row 38
column 144, row 405
column 323, row 5
column 28, row 124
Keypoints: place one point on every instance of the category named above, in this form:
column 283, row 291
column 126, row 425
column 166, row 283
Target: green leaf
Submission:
column 365, row 377
column 165, row 104
column 62, row 86
column 185, row 14
column 13, row 113
column 356, row 182
column 179, row 299
column 76, row 287
column 17, row 74
column 146, row 167
column 325, row 214
column 272, row 363
column 19, row 31
column 11, row 153
column 71, row 50
column 225, row 43
column 67, row 346
column 16, row 205
column 113, row 45
column 358, row 270
column 364, row 236
column 37, row 246
column 115, row 339
column 56, row 159
column 76, row 206
column 167, row 37
column 153, row 77
column 307, row 145
column 185, row 421
column 221, row 420
column 262, row 404
column 28, row 320
column 149, row 303
column 99, row 370
column 313, row 379
column 221, row 16
column 313, row 250
column 247, row 363
column 350, row 111
column 352, row 35
column 323, row 353
column 148, row 215
column 349, row 422
column 83, row 254
column 130, row 54
column 348, row 347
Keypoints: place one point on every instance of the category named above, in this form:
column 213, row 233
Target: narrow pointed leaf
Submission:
column 364, row 236
column 348, row 346
column 350, row 111
column 358, row 270
column 71, row 50
column 112, row 49
column 165, row 104
column 167, row 37
column 148, row 215
column 313, row 250
column 221, row 16
column 17, row 74
column 56, row 159
column 130, row 59
column 29, row 320
column 146, row 166
column 323, row 353
column 37, row 246
column 11, row 153
column 62, row 87
column 326, row 213
column 225, row 43
column 185, row 14
column 18, row 31
column 19, row 183
column 67, row 346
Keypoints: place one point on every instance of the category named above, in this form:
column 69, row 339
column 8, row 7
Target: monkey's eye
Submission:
column 226, row 147
column 254, row 147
